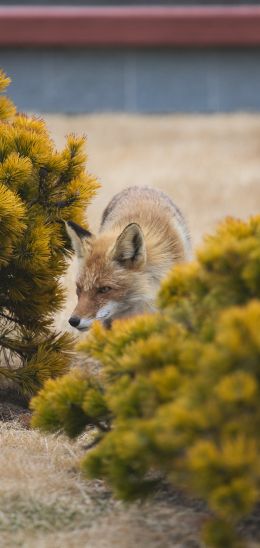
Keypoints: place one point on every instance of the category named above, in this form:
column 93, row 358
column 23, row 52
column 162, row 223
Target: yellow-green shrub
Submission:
column 180, row 389
column 39, row 188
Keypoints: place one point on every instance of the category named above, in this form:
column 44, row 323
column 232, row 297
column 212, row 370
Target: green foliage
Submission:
column 71, row 403
column 39, row 188
column 217, row 534
column 182, row 387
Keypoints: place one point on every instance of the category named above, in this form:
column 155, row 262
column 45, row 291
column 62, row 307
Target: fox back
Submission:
column 142, row 235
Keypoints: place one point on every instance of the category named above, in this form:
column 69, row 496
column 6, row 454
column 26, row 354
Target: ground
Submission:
column 210, row 165
column 45, row 502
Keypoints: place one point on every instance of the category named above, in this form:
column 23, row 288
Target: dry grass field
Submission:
column 211, row 167
column 45, row 503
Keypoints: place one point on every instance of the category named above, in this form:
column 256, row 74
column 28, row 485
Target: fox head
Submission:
column 110, row 283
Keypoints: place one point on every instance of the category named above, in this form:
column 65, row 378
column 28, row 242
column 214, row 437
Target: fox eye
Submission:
column 104, row 289
column 78, row 289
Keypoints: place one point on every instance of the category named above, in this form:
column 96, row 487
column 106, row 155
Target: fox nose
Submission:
column 74, row 321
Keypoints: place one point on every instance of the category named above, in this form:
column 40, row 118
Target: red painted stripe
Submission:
column 131, row 26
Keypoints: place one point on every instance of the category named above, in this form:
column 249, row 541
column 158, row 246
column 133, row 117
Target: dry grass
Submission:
column 44, row 501
column 211, row 167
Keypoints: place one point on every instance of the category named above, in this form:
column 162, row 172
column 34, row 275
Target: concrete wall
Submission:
column 155, row 80
column 76, row 80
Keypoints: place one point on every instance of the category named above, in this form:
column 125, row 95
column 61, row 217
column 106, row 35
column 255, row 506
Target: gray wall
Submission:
column 78, row 80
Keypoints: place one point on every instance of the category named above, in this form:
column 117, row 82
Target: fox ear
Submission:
column 129, row 249
column 80, row 238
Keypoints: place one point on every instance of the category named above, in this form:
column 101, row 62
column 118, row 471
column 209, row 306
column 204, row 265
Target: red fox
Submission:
column 142, row 235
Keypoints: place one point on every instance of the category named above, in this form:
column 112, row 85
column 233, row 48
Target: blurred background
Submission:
column 168, row 94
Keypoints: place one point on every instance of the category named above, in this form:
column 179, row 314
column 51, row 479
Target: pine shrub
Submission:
column 39, row 189
column 178, row 392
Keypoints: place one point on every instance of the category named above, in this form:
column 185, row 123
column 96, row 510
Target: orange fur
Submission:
column 142, row 235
